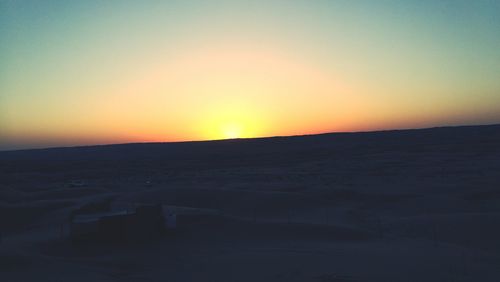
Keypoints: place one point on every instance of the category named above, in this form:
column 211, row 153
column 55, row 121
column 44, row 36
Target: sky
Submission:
column 100, row 72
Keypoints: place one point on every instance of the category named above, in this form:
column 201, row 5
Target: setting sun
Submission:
column 231, row 124
column 232, row 131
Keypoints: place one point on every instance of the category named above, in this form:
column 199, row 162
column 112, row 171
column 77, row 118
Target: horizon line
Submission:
column 249, row 138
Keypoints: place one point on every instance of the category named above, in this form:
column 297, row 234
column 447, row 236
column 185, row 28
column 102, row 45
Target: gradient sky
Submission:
column 93, row 72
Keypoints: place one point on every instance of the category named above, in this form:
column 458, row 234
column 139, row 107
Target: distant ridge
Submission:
column 361, row 133
column 261, row 152
column 443, row 129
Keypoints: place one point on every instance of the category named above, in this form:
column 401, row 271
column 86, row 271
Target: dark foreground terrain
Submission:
column 412, row 205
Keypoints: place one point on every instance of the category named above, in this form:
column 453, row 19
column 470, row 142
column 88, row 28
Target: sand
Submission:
column 415, row 205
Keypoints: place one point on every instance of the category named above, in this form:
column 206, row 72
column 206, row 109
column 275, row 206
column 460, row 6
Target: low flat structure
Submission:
column 144, row 223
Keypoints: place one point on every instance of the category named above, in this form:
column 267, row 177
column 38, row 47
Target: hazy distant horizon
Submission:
column 17, row 146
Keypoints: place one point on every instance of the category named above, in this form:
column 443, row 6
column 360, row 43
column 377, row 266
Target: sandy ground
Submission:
column 418, row 205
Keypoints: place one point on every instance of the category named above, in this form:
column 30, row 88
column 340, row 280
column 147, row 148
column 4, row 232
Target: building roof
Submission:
column 94, row 217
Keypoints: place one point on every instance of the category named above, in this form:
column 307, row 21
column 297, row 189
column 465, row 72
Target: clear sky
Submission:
column 93, row 72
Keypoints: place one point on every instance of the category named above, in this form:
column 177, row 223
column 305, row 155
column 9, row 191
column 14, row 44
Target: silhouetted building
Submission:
column 144, row 223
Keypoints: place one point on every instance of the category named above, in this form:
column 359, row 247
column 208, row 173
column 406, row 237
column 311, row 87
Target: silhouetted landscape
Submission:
column 406, row 205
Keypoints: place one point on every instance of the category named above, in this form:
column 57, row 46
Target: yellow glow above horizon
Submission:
column 229, row 92
column 232, row 130
column 230, row 123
